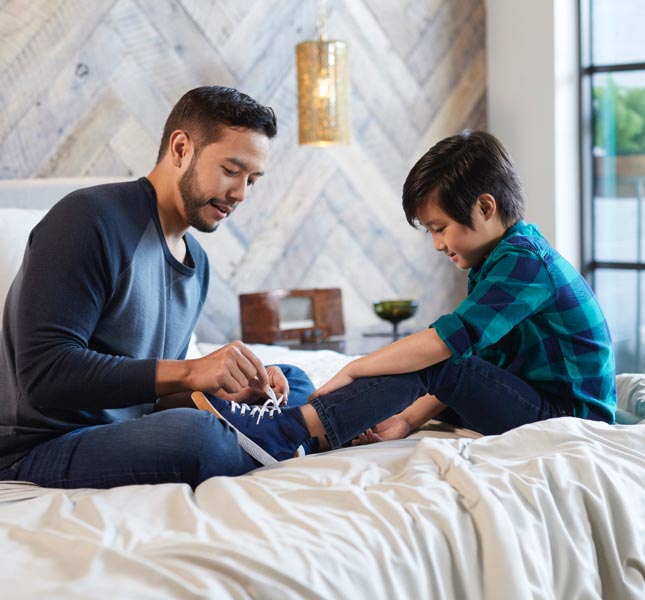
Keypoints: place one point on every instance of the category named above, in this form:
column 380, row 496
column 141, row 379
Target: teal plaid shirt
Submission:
column 530, row 312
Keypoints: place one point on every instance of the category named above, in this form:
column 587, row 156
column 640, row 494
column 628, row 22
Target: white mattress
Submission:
column 551, row 510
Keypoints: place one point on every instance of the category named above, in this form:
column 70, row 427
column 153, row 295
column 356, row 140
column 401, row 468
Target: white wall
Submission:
column 533, row 108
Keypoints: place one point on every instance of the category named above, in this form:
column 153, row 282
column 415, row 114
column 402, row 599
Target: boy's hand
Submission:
column 394, row 428
column 340, row 380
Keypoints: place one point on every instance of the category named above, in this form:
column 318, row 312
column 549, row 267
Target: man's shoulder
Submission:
column 108, row 202
column 108, row 195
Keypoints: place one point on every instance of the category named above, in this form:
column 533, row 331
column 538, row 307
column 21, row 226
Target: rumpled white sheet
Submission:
column 550, row 510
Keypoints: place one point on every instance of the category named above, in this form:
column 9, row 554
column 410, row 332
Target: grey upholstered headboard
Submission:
column 45, row 192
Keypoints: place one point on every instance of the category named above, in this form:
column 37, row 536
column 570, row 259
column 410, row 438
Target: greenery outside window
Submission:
column 612, row 97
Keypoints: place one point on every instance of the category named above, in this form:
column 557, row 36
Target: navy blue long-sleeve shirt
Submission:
column 99, row 298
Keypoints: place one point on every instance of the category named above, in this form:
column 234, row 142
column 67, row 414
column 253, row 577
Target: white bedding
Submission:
column 552, row 510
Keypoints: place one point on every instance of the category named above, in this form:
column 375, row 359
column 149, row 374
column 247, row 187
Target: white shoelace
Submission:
column 270, row 406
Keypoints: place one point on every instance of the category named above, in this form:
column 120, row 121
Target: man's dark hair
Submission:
column 205, row 111
column 459, row 169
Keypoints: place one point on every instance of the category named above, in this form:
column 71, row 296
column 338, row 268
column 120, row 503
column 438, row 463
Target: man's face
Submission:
column 220, row 175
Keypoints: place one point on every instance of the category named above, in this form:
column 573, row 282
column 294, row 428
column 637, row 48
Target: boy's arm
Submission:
column 420, row 411
column 406, row 355
column 401, row 425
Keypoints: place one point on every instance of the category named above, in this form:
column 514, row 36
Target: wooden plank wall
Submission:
column 87, row 85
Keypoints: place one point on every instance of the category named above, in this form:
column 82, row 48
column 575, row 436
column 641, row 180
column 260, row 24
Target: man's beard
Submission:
column 193, row 201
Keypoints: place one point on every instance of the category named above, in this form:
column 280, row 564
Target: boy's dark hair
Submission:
column 461, row 168
column 205, row 111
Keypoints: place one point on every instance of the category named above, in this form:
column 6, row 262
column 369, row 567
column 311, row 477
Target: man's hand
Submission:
column 279, row 383
column 232, row 372
column 229, row 369
column 394, row 428
column 254, row 394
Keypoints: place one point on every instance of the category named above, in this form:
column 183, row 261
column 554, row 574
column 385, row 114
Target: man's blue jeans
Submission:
column 479, row 396
column 180, row 445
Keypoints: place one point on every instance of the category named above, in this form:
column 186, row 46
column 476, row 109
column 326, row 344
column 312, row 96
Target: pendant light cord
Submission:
column 322, row 20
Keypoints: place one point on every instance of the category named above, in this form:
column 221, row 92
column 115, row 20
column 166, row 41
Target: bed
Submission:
column 549, row 510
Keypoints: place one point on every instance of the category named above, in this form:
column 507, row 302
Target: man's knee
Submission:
column 293, row 372
column 300, row 385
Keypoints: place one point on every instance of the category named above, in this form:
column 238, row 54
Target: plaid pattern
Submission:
column 530, row 312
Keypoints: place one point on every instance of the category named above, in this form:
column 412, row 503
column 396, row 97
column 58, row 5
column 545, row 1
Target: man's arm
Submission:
column 230, row 369
column 233, row 372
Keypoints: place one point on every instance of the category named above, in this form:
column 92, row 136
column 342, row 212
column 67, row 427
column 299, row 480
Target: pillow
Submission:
column 15, row 226
column 630, row 388
column 193, row 350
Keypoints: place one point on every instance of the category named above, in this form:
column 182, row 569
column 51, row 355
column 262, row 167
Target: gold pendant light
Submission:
column 323, row 89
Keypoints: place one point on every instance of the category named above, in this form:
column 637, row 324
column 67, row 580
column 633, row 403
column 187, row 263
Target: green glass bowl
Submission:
column 395, row 311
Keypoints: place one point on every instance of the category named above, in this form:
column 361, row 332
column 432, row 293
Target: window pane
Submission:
column 619, row 295
column 619, row 164
column 617, row 31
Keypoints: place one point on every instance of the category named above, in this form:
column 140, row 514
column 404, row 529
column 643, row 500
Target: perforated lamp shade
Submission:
column 323, row 92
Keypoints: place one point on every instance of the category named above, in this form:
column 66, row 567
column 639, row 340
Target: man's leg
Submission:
column 487, row 398
column 182, row 445
column 300, row 386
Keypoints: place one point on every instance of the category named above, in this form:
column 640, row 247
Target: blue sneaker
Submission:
column 276, row 430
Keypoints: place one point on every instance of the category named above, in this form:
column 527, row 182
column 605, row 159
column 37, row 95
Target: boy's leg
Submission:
column 300, row 388
column 347, row 412
column 182, row 445
column 487, row 398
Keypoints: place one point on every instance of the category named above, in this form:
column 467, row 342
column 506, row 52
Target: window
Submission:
column 612, row 97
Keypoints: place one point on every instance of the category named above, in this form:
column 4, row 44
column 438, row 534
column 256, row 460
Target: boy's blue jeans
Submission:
column 180, row 445
column 479, row 396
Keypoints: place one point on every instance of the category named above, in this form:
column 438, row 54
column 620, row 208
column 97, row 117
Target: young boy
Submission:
column 529, row 342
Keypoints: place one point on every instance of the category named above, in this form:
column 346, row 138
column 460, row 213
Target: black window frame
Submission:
column 587, row 170
column 587, row 69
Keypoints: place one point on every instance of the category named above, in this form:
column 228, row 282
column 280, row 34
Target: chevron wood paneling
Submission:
column 87, row 86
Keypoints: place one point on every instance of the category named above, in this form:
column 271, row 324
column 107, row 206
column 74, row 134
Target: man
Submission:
column 98, row 320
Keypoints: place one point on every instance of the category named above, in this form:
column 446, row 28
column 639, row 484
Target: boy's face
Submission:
column 465, row 247
column 218, row 179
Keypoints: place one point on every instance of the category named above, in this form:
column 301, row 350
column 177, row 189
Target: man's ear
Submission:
column 180, row 147
column 487, row 205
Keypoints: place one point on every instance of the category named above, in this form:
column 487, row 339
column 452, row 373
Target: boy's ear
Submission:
column 487, row 205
